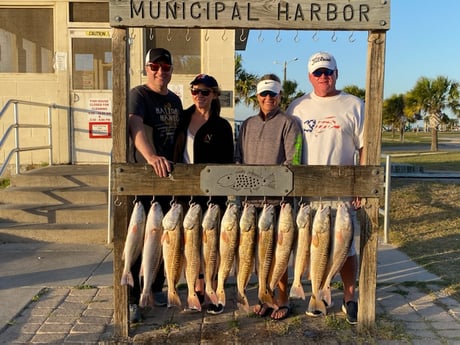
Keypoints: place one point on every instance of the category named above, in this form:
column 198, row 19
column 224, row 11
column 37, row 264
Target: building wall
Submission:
column 38, row 87
column 217, row 59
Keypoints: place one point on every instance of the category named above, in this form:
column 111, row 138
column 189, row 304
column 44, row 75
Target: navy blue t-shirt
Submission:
column 161, row 114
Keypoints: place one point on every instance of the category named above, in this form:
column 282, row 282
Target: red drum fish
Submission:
column 302, row 250
column 172, row 251
column 246, row 252
column 265, row 244
column 341, row 243
column 133, row 243
column 151, row 252
column 192, row 252
column 227, row 248
column 319, row 256
column 210, row 249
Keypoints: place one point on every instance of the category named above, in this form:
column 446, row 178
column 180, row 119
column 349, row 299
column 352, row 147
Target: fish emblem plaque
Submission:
column 246, row 180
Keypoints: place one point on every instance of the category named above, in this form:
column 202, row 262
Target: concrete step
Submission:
column 52, row 214
column 63, row 176
column 64, row 203
column 57, row 233
column 51, row 196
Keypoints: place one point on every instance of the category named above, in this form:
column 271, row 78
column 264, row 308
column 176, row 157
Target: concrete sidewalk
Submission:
column 61, row 293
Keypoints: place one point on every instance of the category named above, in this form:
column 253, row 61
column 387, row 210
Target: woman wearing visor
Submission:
column 270, row 138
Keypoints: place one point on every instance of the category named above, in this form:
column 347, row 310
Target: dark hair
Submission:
column 215, row 104
column 270, row 76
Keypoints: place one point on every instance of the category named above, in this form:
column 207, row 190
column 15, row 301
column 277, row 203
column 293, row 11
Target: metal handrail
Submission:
column 15, row 127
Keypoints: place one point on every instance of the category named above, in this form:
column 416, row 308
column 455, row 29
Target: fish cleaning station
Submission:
column 366, row 181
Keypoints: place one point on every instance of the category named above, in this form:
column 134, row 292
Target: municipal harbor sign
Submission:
column 259, row 14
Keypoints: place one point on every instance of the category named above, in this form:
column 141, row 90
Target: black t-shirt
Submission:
column 161, row 114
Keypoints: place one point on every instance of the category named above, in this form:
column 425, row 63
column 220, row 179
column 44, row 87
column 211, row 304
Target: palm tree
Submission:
column 393, row 114
column 245, row 84
column 431, row 97
column 289, row 93
column 355, row 90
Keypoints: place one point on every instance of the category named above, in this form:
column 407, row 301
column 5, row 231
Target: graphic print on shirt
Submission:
column 319, row 126
column 169, row 117
column 207, row 138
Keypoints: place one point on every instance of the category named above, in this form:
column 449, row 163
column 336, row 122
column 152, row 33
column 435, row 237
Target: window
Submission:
column 183, row 44
column 26, row 40
column 89, row 12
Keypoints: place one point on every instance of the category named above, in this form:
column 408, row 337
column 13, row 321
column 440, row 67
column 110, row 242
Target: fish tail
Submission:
column 211, row 295
column 297, row 291
column 266, row 297
column 316, row 305
column 145, row 299
column 193, row 302
column 174, row 299
column 242, row 301
column 325, row 295
column 127, row 279
column 221, row 298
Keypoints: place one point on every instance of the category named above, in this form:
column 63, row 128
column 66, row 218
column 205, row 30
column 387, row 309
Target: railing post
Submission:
column 386, row 219
column 16, row 134
column 50, row 137
column 71, row 136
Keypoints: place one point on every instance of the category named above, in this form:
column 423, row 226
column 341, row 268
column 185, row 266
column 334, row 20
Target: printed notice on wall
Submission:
column 100, row 120
column 60, row 61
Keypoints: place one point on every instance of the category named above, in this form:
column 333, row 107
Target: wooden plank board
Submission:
column 319, row 181
column 119, row 154
column 260, row 14
column 371, row 155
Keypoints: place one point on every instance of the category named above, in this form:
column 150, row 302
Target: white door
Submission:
column 91, row 95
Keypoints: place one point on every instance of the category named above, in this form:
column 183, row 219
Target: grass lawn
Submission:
column 425, row 214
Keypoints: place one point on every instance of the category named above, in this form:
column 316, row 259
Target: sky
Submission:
column 422, row 42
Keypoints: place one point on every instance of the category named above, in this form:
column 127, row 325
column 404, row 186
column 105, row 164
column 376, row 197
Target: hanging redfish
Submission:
column 172, row 251
column 341, row 243
column 151, row 252
column 302, row 250
column 285, row 236
column 133, row 243
column 227, row 248
column 192, row 252
column 319, row 256
column 246, row 252
column 210, row 246
column 265, row 241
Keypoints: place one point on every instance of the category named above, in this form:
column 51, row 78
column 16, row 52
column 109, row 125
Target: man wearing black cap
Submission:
column 154, row 113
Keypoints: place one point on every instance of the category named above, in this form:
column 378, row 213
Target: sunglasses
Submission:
column 156, row 66
column 204, row 92
column 326, row 71
column 268, row 93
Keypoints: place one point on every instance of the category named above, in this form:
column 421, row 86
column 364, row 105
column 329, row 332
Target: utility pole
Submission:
column 285, row 67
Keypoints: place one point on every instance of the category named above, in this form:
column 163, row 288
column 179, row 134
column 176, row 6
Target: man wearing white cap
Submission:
column 270, row 138
column 332, row 124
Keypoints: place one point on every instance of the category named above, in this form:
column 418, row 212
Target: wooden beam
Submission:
column 356, row 15
column 119, row 155
column 319, row 181
column 371, row 155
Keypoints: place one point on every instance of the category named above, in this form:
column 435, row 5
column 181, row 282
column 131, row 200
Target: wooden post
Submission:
column 371, row 156
column 119, row 155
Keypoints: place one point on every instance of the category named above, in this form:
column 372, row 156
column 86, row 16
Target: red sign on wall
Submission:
column 100, row 130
